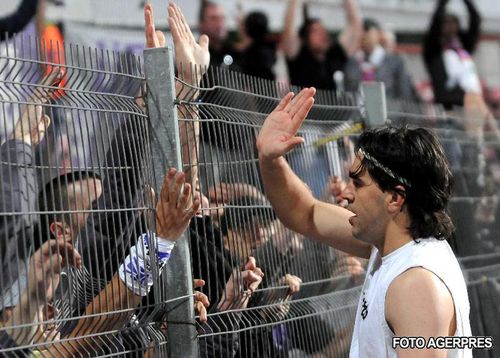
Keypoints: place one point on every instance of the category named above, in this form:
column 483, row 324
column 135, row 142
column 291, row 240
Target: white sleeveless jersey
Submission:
column 372, row 336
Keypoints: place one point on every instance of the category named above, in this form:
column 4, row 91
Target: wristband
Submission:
column 136, row 272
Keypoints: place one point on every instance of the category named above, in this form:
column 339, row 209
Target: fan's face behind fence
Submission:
column 213, row 23
column 368, row 204
column 81, row 195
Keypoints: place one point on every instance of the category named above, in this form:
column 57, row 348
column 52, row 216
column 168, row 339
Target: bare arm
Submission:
column 428, row 310
column 192, row 59
column 115, row 297
column 350, row 37
column 290, row 40
column 292, row 201
column 43, row 277
column 227, row 192
column 310, row 217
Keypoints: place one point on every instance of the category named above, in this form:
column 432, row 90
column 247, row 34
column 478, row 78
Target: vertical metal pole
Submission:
column 176, row 279
column 375, row 104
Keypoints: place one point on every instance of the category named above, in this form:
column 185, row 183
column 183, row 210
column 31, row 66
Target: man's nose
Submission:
column 349, row 196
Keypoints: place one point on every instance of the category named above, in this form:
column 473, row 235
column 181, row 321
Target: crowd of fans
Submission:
column 72, row 251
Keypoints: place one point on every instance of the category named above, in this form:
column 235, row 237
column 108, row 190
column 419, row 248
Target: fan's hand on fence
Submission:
column 188, row 52
column 293, row 283
column 33, row 123
column 278, row 133
column 336, row 188
column 201, row 302
column 154, row 39
column 175, row 208
column 354, row 266
column 46, row 264
column 249, row 278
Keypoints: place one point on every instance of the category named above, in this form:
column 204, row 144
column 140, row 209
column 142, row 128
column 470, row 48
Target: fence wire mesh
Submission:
column 81, row 153
column 76, row 161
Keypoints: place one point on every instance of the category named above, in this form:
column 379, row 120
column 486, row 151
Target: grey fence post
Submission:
column 176, row 280
column 375, row 104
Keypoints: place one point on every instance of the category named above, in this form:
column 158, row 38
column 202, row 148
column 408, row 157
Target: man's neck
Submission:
column 397, row 235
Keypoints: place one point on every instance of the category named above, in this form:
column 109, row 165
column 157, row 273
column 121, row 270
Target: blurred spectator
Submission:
column 19, row 184
column 18, row 20
column 313, row 57
column 448, row 53
column 258, row 56
column 388, row 40
column 45, row 268
column 212, row 22
column 246, row 225
column 226, row 279
column 280, row 286
column 374, row 63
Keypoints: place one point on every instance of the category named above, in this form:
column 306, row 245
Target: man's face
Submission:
column 370, row 39
column 214, row 23
column 246, row 238
column 82, row 194
column 367, row 202
column 318, row 37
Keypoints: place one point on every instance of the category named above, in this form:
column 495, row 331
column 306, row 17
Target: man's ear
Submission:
column 396, row 199
column 56, row 229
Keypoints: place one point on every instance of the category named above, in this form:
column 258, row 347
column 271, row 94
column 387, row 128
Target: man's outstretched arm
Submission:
column 291, row 199
column 350, row 38
column 191, row 59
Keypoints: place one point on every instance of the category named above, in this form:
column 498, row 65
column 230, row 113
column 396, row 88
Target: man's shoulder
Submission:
column 418, row 295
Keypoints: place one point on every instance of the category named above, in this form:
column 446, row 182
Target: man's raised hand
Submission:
column 188, row 52
column 278, row 133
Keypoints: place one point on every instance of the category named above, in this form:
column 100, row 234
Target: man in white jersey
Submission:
column 396, row 217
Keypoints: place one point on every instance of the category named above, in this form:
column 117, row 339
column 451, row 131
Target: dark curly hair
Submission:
column 417, row 157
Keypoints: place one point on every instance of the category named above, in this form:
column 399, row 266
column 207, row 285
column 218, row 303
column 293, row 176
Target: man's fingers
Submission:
column 293, row 284
column 251, row 264
column 204, row 42
column 161, row 38
column 284, row 101
column 151, row 41
column 64, row 249
column 292, row 107
column 293, row 103
column 299, row 117
column 254, row 282
column 193, row 210
column 175, row 23
column 293, row 142
column 250, row 277
column 300, row 101
column 258, row 272
column 175, row 188
column 198, row 283
column 201, row 310
column 167, row 184
column 184, row 196
column 183, row 23
column 174, row 29
column 202, row 298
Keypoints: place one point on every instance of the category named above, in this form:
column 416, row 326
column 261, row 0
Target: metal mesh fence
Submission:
column 76, row 162
column 87, row 134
